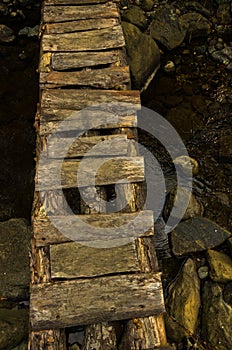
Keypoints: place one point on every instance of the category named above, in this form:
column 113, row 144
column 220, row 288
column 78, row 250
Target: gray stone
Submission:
column 203, row 272
column 223, row 56
column 13, row 327
column 220, row 266
column 166, row 27
column 14, row 259
column 135, row 16
column 196, row 24
column 216, row 318
column 6, row 34
column 197, row 235
column 183, row 303
column 147, row 5
column 144, row 54
column 30, row 32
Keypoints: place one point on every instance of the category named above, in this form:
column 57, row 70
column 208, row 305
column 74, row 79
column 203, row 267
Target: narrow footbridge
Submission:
column 93, row 261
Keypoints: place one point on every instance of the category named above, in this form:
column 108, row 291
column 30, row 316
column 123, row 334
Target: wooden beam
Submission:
column 81, row 227
column 75, row 2
column 86, row 301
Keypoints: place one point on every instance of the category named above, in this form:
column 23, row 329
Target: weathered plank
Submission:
column 75, row 2
column 93, row 40
column 73, row 260
column 122, row 225
column 52, row 339
column 110, row 145
column 79, row 99
column 80, row 25
column 63, row 61
column 79, row 302
column 71, row 13
column 105, row 78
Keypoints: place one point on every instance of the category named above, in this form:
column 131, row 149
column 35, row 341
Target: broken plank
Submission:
column 80, row 302
column 75, row 2
column 105, row 78
column 71, row 13
column 80, row 25
column 81, row 228
column 64, row 61
column 93, row 40
column 53, row 174
column 73, row 260
column 79, row 99
column 110, row 145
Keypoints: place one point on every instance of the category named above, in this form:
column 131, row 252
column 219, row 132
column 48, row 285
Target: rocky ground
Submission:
column 181, row 58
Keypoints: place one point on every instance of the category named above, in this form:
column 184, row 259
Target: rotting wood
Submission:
column 80, row 302
column 73, row 260
column 70, row 13
column 80, row 25
column 122, row 225
column 61, row 61
column 105, row 78
column 54, row 174
column 93, row 40
column 50, row 339
column 76, row 2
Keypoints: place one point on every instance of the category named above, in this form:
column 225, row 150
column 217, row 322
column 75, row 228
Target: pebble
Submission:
column 6, row 34
column 203, row 272
column 29, row 32
column 169, row 67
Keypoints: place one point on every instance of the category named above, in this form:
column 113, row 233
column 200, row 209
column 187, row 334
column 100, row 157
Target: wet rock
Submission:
column 144, row 54
column 166, row 27
column 203, row 272
column 147, row 5
column 220, row 266
column 216, row 318
column 197, row 235
column 6, row 34
column 14, row 259
column 183, row 303
column 29, row 32
column 223, row 13
column 13, row 327
column 196, row 24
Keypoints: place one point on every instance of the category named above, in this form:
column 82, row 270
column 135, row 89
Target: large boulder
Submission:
column 183, row 303
column 14, row 259
column 144, row 54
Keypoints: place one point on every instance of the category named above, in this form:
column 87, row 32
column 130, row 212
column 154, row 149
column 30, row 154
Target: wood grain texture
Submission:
column 105, row 78
column 80, row 25
column 71, row 13
column 75, row 2
column 86, row 301
column 52, row 339
column 93, row 40
column 81, row 228
column 65, row 60
column 73, row 260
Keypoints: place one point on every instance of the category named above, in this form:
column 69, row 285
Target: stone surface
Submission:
column 186, row 165
column 216, row 318
column 220, row 266
column 203, row 272
column 229, row 243
column 166, row 27
column 183, row 303
column 144, row 55
column 30, row 32
column 14, row 259
column 196, row 24
column 13, row 328
column 147, row 5
column 6, row 34
column 136, row 16
column 223, row 14
column 197, row 235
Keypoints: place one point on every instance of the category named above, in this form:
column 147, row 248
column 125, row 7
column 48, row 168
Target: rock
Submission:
column 183, row 303
column 147, row 5
column 74, row 347
column 13, row 327
column 166, row 27
column 169, row 67
column 6, row 34
column 216, row 318
column 22, row 346
column 196, row 24
column 225, row 32
column 136, row 16
column 4, row 10
column 144, row 54
column 223, row 56
column 220, row 266
column 14, row 259
column 196, row 7
column 30, row 32
column 186, row 165
column 197, row 235
column 223, row 14
column 227, row 293
column 225, row 144
column 229, row 243
column 203, row 272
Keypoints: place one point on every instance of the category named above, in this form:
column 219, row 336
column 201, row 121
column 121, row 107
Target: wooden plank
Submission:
column 111, row 145
column 105, row 78
column 92, row 171
column 73, row 260
column 80, row 25
column 80, row 302
column 64, row 61
column 124, row 226
column 75, row 2
column 71, row 13
column 93, row 40
column 79, row 99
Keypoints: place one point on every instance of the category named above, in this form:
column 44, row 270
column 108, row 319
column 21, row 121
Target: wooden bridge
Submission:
column 83, row 64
